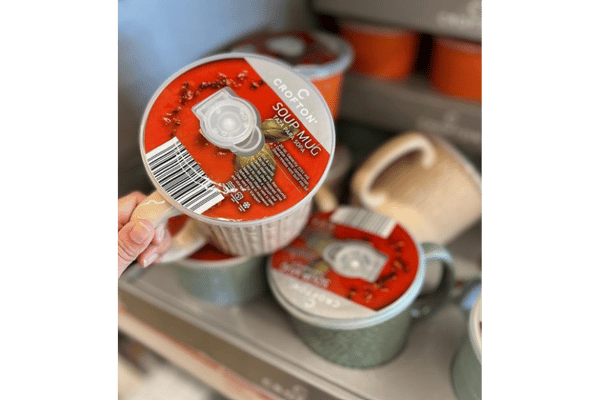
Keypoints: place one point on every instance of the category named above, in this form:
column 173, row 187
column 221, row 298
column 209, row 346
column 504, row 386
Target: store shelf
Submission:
column 412, row 103
column 457, row 18
column 255, row 343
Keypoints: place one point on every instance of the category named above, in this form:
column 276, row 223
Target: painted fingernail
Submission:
column 149, row 260
column 139, row 233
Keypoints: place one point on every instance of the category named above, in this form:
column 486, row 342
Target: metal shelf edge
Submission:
column 456, row 18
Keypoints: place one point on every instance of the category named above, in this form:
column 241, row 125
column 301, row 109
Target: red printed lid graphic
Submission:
column 347, row 264
column 237, row 138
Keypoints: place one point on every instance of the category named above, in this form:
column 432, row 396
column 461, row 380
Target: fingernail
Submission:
column 150, row 259
column 160, row 233
column 139, row 233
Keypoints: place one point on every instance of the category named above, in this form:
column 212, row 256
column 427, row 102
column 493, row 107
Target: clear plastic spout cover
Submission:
column 355, row 259
column 230, row 122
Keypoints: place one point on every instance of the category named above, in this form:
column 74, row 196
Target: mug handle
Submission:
column 427, row 305
column 467, row 296
column 382, row 158
column 157, row 210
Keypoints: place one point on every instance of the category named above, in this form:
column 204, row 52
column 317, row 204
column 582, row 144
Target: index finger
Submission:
column 126, row 206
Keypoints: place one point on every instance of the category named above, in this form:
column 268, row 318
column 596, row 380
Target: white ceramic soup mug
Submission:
column 240, row 143
column 424, row 183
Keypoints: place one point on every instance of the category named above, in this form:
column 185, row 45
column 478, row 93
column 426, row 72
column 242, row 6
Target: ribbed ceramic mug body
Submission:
column 357, row 348
column 466, row 373
column 246, row 240
column 224, row 282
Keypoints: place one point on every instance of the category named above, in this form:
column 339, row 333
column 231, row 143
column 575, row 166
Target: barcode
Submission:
column 181, row 177
column 368, row 221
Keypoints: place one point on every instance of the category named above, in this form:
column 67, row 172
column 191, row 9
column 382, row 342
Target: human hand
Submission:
column 138, row 238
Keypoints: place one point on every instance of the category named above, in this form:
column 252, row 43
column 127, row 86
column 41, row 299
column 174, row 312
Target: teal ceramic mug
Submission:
column 466, row 366
column 351, row 284
column 215, row 277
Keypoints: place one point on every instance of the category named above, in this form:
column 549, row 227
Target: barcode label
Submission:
column 365, row 220
column 182, row 178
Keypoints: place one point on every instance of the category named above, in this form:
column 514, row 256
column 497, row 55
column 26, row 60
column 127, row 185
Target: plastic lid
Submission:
column 287, row 46
column 349, row 269
column 336, row 44
column 230, row 122
column 317, row 55
column 237, row 140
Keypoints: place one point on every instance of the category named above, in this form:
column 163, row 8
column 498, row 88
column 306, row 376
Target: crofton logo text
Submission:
column 314, row 295
column 299, row 106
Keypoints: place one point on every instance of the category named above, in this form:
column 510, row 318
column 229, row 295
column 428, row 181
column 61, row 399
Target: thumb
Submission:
column 134, row 237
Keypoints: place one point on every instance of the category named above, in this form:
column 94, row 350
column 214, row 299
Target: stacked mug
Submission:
column 381, row 52
column 213, row 276
column 455, row 68
column 240, row 144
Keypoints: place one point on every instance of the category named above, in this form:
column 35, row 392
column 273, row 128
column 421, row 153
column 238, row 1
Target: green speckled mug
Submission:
column 466, row 366
column 212, row 276
column 351, row 284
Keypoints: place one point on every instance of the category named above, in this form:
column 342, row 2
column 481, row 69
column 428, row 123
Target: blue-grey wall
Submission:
column 157, row 38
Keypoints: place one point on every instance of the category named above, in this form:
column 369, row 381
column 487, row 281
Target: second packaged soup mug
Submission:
column 352, row 285
column 240, row 143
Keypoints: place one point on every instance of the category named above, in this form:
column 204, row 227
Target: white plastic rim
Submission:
column 460, row 45
column 288, row 46
column 222, row 222
column 474, row 331
column 376, row 30
column 399, row 305
column 336, row 44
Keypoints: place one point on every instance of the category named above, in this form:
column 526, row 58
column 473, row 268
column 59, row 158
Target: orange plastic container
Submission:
column 331, row 89
column 456, row 68
column 381, row 51
column 322, row 57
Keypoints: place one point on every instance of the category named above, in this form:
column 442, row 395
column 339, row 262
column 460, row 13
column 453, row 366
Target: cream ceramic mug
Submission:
column 240, row 143
column 424, row 183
